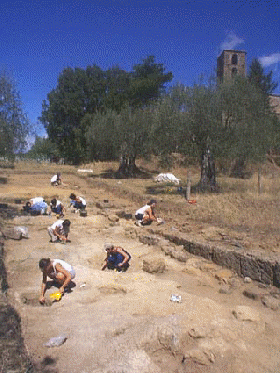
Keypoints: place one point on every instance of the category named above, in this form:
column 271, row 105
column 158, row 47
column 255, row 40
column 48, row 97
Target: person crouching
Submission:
column 117, row 258
column 59, row 231
column 59, row 271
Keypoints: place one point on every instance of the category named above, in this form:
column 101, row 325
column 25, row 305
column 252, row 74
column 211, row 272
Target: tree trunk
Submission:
column 127, row 167
column 238, row 169
column 208, row 173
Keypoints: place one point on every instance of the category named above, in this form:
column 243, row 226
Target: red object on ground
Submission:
column 192, row 201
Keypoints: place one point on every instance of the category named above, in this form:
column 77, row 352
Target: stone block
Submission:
column 154, row 264
column 255, row 293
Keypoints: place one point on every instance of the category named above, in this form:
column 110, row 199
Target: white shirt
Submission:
column 57, row 224
column 82, row 200
column 57, row 203
column 142, row 210
column 54, row 178
column 65, row 265
column 37, row 200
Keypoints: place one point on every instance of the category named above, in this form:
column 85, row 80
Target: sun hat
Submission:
column 108, row 246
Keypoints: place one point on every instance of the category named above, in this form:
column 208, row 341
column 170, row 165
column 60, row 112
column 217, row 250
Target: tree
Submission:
column 14, row 124
column 78, row 92
column 43, row 149
column 202, row 121
column 261, row 80
column 249, row 125
column 81, row 94
column 148, row 81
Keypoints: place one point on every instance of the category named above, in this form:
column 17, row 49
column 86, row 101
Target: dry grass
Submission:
column 238, row 209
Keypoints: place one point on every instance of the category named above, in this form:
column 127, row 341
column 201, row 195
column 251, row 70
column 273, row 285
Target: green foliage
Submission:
column 43, row 149
column 249, row 125
column 261, row 80
column 14, row 125
column 78, row 92
column 81, row 95
column 147, row 82
column 101, row 136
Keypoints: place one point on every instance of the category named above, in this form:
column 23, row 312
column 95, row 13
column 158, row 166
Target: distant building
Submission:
column 231, row 63
column 275, row 103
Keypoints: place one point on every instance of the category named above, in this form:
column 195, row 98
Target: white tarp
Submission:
column 167, row 177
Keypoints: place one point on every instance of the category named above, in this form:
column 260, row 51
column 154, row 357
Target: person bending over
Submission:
column 117, row 258
column 59, row 231
column 59, row 271
column 56, row 179
column 146, row 214
column 57, row 207
column 77, row 202
column 36, row 206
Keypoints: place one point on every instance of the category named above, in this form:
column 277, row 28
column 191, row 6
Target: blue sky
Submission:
column 40, row 38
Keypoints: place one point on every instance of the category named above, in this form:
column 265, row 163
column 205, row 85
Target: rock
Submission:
column 169, row 337
column 202, row 357
column 255, row 293
column 245, row 313
column 179, row 253
column 225, row 289
column 105, row 204
column 270, row 302
column 154, row 264
column 149, row 240
column 124, row 215
column 208, row 267
column 275, row 292
column 12, row 233
column 247, row 280
column 137, row 361
column 223, row 275
column 22, row 230
column 191, row 270
column 199, row 332
column 113, row 218
column 234, row 283
column 56, row 341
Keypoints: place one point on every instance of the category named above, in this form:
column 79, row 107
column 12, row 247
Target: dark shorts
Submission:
column 139, row 217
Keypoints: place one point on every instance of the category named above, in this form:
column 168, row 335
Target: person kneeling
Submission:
column 146, row 214
column 59, row 231
column 117, row 258
column 59, row 271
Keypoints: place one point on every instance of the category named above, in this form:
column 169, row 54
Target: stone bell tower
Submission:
column 231, row 63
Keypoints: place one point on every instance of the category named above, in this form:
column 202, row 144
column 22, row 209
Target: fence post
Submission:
column 259, row 181
column 188, row 190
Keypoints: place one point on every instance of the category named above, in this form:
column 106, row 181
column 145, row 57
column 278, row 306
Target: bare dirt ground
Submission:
column 126, row 322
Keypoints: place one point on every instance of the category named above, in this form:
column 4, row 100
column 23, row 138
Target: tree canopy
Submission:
column 80, row 93
column 261, row 80
column 14, row 124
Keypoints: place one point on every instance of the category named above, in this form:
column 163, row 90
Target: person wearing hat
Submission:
column 146, row 214
column 117, row 258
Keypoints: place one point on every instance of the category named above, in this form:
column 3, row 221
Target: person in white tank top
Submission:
column 146, row 214
column 59, row 271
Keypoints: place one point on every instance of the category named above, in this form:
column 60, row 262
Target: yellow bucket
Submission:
column 55, row 296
